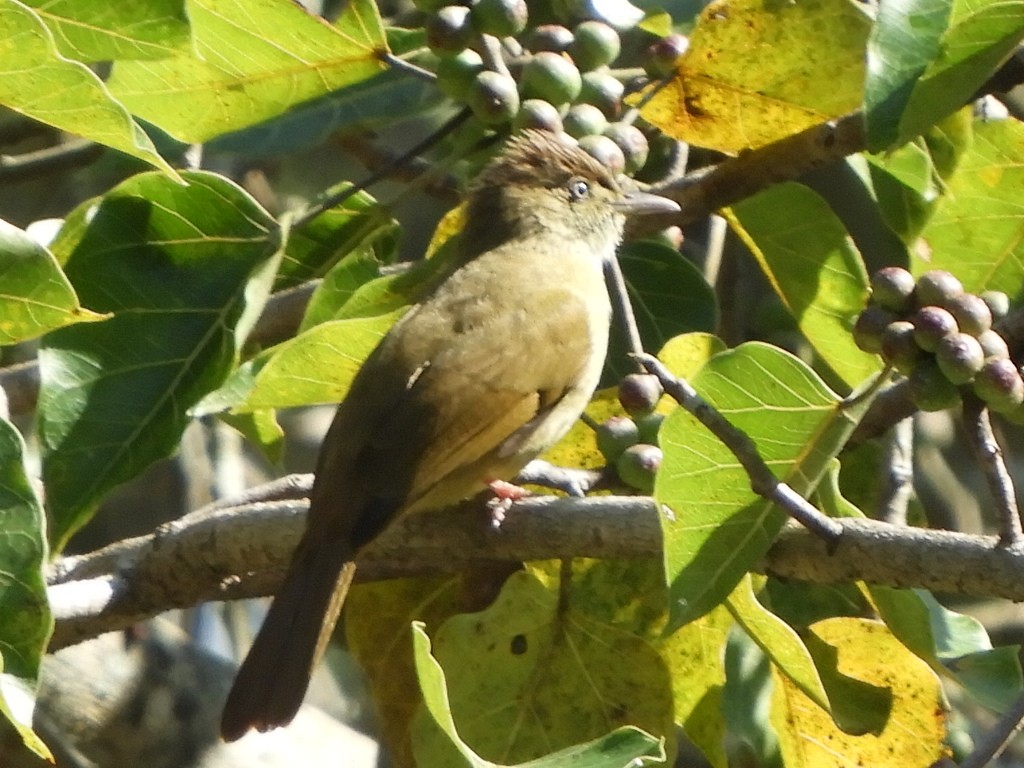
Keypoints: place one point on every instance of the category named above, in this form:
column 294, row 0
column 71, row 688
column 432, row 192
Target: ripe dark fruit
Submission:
column 936, row 286
column 971, row 312
column 891, row 288
column 615, row 436
column 960, row 357
column 605, row 151
column 552, row 77
column 631, row 141
column 595, row 45
column 999, row 384
column 501, row 18
column 660, row 59
column 493, row 97
column 931, row 325
column 998, row 303
column 638, row 465
column 449, row 30
column 604, row 92
column 930, row 389
column 550, row 37
column 584, row 120
column 456, row 73
column 536, row 113
column 899, row 347
column 639, row 393
column 993, row 344
column 871, row 323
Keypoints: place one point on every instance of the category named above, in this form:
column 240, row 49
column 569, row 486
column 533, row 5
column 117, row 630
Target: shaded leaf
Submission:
column 36, row 81
column 215, row 91
column 756, row 71
column 183, row 270
column 25, row 619
column 813, row 265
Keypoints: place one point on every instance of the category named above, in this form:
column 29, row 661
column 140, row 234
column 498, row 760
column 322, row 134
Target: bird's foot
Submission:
column 505, row 493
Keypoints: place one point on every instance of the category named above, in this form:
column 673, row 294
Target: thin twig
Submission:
column 898, row 482
column 58, row 159
column 382, row 173
column 407, row 66
column 490, row 52
column 990, row 457
column 992, row 744
column 762, row 480
column 623, row 306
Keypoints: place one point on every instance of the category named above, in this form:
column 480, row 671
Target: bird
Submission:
column 487, row 371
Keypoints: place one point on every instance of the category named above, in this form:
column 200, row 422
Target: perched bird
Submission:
column 488, row 371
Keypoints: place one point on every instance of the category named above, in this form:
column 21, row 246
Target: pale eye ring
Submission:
column 578, row 189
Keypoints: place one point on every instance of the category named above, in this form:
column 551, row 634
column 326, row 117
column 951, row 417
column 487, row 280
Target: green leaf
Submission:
column 239, row 75
column 716, row 528
column 975, row 230
column 99, row 31
column 359, row 225
column 813, row 265
column 521, row 657
column 981, row 35
column 904, row 42
column 183, row 270
column 657, row 277
column 25, row 619
column 36, row 296
column 36, row 81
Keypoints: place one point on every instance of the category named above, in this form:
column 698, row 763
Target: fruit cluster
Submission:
column 550, row 76
column 941, row 338
column 628, row 442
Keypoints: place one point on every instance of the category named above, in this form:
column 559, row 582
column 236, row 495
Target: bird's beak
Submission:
column 642, row 203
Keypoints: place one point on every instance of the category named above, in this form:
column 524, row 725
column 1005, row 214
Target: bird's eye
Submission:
column 578, row 189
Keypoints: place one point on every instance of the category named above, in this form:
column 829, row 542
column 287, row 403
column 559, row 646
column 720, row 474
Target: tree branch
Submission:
column 200, row 556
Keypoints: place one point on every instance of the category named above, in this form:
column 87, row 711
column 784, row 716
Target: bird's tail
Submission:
column 272, row 681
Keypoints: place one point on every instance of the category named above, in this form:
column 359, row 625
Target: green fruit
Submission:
column 449, row 30
column 871, row 324
column 638, row 465
column 493, row 97
column 584, row 120
column 999, row 384
column 639, row 393
column 550, row 37
column 501, row 18
column 971, row 312
column 631, row 141
column 960, row 357
column 936, row 287
column 552, row 77
column 930, row 389
column 993, row 344
column 456, row 73
column 931, row 325
column 661, row 58
column 892, row 288
column 604, row 92
column 998, row 303
column 536, row 113
column 899, row 348
column 595, row 45
column 605, row 151
column 616, row 435
column 671, row 237
column 649, row 427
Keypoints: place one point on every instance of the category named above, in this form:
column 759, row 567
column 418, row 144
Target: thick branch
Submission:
column 198, row 557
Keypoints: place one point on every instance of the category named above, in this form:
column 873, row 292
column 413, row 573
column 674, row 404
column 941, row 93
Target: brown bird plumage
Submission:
column 489, row 370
